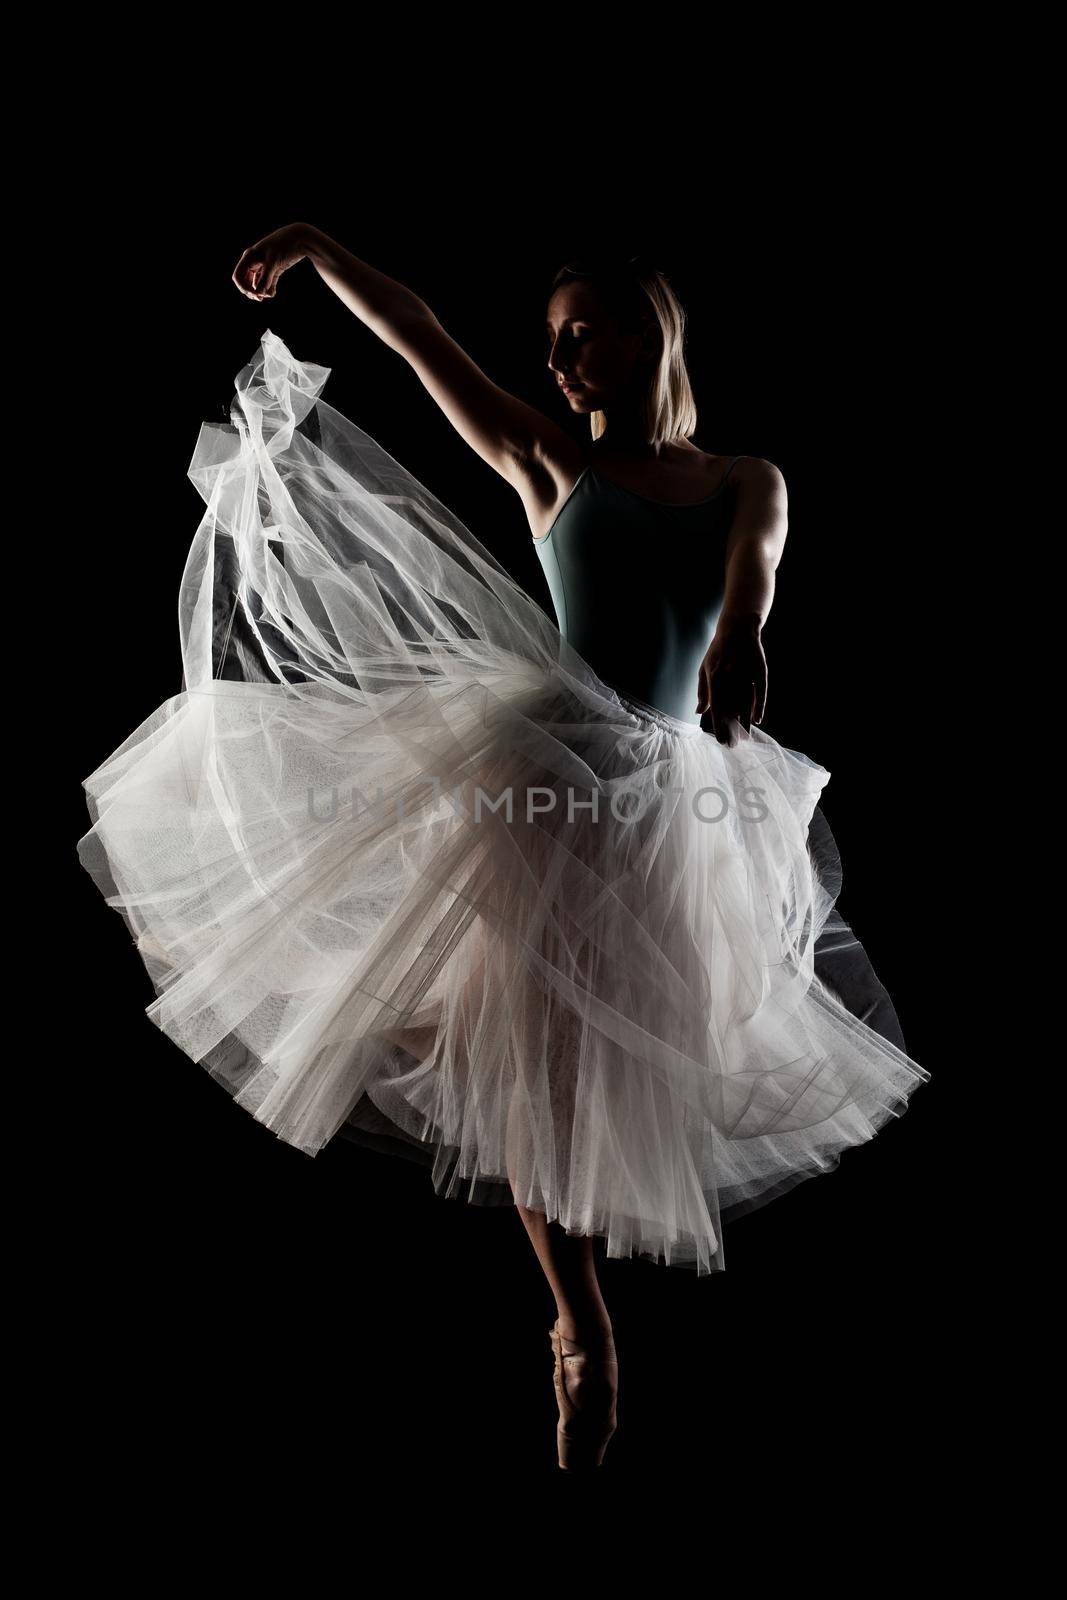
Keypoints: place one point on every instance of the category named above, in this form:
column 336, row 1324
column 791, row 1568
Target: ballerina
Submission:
column 582, row 951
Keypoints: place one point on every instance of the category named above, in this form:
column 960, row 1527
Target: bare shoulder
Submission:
column 758, row 476
column 761, row 505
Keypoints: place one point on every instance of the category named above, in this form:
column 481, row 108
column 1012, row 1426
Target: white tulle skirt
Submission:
column 403, row 868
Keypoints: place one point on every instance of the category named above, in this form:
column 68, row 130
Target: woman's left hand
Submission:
column 733, row 678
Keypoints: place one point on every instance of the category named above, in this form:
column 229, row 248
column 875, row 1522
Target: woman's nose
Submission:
column 555, row 364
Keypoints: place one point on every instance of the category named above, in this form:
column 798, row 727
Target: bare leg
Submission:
column 569, row 1264
column 418, row 1042
column 568, row 1261
column 586, row 1375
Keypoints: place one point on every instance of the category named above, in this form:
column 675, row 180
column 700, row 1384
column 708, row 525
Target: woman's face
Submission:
column 591, row 359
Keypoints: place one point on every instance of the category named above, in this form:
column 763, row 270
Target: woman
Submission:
column 567, row 956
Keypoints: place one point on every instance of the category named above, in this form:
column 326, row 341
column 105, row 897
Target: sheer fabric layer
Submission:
column 403, row 868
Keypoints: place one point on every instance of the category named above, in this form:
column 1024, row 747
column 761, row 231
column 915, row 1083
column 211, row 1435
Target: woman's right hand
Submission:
column 258, row 271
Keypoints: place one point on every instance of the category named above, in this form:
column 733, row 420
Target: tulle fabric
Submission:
column 628, row 1001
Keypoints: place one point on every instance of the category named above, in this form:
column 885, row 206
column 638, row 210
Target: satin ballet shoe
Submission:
column 586, row 1382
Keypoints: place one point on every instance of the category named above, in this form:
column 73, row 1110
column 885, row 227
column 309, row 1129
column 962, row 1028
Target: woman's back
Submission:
column 638, row 585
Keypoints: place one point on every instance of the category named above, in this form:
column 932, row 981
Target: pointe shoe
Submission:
column 586, row 1385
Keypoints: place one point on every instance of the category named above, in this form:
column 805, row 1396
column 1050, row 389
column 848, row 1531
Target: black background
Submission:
column 245, row 1295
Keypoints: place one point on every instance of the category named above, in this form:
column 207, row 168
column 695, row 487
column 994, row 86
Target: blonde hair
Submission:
column 637, row 294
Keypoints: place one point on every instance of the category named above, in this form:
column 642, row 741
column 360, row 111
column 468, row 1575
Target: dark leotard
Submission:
column 638, row 586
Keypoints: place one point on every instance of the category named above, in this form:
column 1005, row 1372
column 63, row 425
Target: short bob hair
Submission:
column 637, row 293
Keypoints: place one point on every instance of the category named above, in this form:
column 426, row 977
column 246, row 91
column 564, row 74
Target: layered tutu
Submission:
column 402, row 868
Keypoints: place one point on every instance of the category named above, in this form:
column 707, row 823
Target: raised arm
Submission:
column 733, row 674
column 511, row 436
